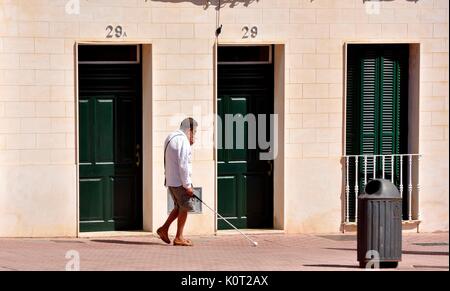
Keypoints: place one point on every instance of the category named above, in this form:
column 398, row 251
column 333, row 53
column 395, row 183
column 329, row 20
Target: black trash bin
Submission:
column 379, row 234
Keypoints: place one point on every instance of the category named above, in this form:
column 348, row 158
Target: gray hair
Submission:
column 188, row 123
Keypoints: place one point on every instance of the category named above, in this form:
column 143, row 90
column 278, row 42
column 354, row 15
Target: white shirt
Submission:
column 178, row 160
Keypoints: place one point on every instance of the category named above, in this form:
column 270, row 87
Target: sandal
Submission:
column 186, row 243
column 163, row 236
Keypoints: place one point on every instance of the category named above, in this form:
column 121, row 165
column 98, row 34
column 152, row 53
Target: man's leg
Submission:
column 163, row 231
column 182, row 216
column 172, row 216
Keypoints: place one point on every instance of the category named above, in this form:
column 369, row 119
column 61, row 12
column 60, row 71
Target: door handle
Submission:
column 138, row 156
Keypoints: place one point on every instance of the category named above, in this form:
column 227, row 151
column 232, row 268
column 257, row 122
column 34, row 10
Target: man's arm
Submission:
column 183, row 159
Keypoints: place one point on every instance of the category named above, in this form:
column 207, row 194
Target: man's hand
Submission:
column 189, row 191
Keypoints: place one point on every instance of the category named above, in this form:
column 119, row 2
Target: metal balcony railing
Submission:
column 400, row 169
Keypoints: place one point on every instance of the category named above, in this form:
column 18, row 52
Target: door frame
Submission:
column 146, row 127
column 279, row 179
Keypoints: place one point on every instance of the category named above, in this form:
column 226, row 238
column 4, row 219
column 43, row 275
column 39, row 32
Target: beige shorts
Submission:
column 180, row 199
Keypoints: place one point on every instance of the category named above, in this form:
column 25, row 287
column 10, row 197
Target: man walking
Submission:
column 178, row 170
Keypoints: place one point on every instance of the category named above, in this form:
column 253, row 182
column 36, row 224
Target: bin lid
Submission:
column 380, row 189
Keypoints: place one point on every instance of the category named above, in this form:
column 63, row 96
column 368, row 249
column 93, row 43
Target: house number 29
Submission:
column 250, row 32
column 116, row 31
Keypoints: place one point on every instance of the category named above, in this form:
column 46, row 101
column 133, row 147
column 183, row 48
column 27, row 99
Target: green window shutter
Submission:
column 391, row 95
column 368, row 104
column 376, row 117
column 376, row 94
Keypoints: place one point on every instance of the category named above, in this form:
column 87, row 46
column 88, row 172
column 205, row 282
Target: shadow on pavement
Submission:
column 339, row 237
column 424, row 253
column 430, row 267
column 333, row 266
column 68, row 241
column 125, row 242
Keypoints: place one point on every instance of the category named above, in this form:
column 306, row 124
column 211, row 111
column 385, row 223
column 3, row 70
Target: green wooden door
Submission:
column 110, row 147
column 245, row 183
column 377, row 109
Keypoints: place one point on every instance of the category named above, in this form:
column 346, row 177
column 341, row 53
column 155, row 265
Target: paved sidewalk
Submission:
column 230, row 252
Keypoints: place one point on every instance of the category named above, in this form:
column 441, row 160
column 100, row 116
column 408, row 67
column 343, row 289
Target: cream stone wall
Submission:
column 38, row 170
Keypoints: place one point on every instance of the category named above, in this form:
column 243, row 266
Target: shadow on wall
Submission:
column 364, row 1
column 215, row 3
column 232, row 3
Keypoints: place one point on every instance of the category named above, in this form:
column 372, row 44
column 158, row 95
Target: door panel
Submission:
column 126, row 148
column 237, row 106
column 257, row 217
column 124, row 203
column 228, row 206
column 104, row 120
column 91, row 199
